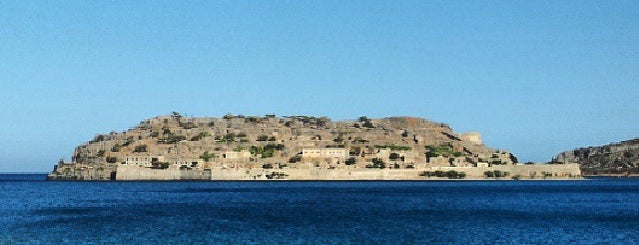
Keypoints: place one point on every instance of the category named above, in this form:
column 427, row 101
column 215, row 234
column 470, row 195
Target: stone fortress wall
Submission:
column 520, row 172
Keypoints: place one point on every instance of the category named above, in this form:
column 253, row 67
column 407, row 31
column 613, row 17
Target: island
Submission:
column 238, row 147
column 614, row 159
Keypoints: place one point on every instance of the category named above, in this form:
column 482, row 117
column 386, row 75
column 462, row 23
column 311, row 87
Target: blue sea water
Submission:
column 600, row 211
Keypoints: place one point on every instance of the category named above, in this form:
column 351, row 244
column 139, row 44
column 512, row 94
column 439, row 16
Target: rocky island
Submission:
column 177, row 147
column 615, row 159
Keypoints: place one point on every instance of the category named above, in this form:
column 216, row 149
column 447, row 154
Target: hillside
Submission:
column 270, row 142
column 620, row 158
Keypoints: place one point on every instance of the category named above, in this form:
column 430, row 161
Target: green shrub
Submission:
column 395, row 147
column 351, row 161
column 111, row 159
column 378, row 163
column 229, row 137
column 393, row 156
column 140, row 148
column 206, row 156
column 188, row 125
column 200, row 136
column 295, row 159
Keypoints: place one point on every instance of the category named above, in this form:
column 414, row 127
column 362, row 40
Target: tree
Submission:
column 111, row 159
column 206, row 156
column 393, row 156
column 295, row 159
column 351, row 161
column 200, row 136
column 268, row 153
column 378, row 163
column 513, row 158
column 262, row 138
column 368, row 124
column 229, row 137
column 452, row 174
column 140, row 148
column 177, row 138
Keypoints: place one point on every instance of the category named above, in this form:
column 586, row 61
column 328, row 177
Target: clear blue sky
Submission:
column 534, row 77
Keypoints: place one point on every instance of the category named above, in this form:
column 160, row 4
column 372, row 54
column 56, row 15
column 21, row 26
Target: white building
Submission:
column 143, row 160
column 340, row 153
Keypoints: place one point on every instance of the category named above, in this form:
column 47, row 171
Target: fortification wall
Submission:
column 538, row 171
column 532, row 171
column 133, row 172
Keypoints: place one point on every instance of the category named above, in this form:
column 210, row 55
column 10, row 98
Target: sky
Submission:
column 534, row 77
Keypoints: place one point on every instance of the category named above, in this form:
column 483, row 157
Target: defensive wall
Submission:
column 506, row 172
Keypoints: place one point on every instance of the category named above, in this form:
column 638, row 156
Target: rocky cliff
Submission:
column 620, row 158
column 190, row 146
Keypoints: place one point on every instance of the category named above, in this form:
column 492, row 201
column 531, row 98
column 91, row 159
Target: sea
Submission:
column 592, row 211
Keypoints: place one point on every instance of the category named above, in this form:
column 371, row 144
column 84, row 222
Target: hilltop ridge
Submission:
column 620, row 158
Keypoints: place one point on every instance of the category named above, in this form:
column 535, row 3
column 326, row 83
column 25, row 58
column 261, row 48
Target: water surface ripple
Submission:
column 601, row 211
